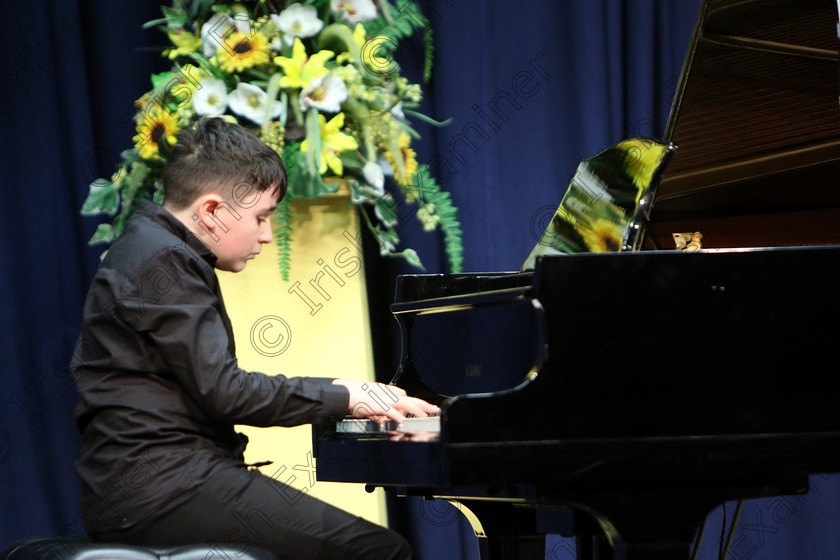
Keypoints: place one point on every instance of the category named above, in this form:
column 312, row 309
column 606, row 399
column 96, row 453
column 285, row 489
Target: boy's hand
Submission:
column 378, row 401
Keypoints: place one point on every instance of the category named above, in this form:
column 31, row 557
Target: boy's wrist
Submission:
column 336, row 398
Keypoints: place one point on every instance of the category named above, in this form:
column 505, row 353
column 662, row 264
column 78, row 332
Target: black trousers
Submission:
column 239, row 508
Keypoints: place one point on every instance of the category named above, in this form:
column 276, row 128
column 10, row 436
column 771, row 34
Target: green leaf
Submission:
column 155, row 23
column 131, row 155
column 102, row 199
column 404, row 26
column 204, row 63
column 161, row 79
column 199, row 8
column 313, row 142
column 174, row 18
column 339, row 38
column 427, row 119
column 132, row 193
column 157, row 197
column 386, row 211
column 264, row 76
column 312, row 186
column 271, row 96
column 351, row 160
column 302, row 184
column 385, row 10
column 104, row 234
column 410, row 255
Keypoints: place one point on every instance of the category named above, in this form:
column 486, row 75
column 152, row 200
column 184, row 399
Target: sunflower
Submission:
column 242, row 51
column 602, row 237
column 404, row 173
column 641, row 159
column 151, row 125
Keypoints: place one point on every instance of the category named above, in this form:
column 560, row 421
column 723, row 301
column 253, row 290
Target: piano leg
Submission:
column 504, row 530
column 656, row 522
column 590, row 541
column 646, row 524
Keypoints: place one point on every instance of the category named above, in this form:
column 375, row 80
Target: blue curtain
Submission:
column 532, row 88
column 71, row 71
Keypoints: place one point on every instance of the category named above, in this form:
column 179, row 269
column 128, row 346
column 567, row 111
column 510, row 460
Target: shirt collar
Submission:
column 173, row 225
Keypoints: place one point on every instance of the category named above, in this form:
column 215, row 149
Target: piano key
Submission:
column 364, row 426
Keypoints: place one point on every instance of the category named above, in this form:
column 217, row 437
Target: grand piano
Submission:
column 620, row 395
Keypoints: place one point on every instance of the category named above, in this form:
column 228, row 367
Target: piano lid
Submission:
column 756, row 116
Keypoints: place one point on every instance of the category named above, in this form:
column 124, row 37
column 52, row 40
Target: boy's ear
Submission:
column 206, row 207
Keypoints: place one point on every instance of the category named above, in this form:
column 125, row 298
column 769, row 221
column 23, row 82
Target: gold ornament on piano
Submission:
column 688, row 242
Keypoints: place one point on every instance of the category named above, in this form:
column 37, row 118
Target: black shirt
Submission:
column 160, row 386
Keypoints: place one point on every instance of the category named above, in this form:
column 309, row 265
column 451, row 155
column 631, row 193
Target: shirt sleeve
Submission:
column 175, row 306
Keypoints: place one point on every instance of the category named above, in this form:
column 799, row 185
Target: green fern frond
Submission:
column 447, row 213
column 282, row 226
column 133, row 191
column 451, row 228
column 401, row 24
column 428, row 52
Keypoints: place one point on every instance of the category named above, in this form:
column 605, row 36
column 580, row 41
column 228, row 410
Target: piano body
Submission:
column 639, row 389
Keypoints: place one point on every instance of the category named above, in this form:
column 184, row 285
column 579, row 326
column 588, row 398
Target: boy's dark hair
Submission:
column 219, row 156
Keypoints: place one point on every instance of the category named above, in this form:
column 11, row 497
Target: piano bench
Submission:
column 77, row 548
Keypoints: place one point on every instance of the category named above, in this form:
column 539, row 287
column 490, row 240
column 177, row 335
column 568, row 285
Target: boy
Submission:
column 161, row 390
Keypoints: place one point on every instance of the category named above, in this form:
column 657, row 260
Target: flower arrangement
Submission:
column 317, row 82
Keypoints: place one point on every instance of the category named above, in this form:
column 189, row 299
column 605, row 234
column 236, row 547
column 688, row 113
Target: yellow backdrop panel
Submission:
column 314, row 324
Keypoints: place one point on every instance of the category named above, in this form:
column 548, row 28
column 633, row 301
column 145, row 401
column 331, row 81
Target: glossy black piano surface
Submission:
column 703, row 372
column 644, row 388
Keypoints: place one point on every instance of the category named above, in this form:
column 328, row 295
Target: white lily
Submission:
column 210, row 97
column 354, row 11
column 249, row 101
column 297, row 21
column 397, row 112
column 216, row 30
column 385, row 165
column 372, row 190
column 325, row 93
column 374, row 177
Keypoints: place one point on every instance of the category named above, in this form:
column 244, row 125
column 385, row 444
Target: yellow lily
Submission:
column 359, row 34
column 299, row 69
column 189, row 76
column 359, row 38
column 333, row 142
column 377, row 64
column 365, row 49
column 184, row 42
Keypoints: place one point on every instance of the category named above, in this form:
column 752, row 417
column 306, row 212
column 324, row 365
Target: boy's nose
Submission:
column 266, row 233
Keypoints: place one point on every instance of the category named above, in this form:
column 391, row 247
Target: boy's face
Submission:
column 241, row 229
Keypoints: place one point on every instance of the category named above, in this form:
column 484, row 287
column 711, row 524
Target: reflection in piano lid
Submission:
column 363, row 427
